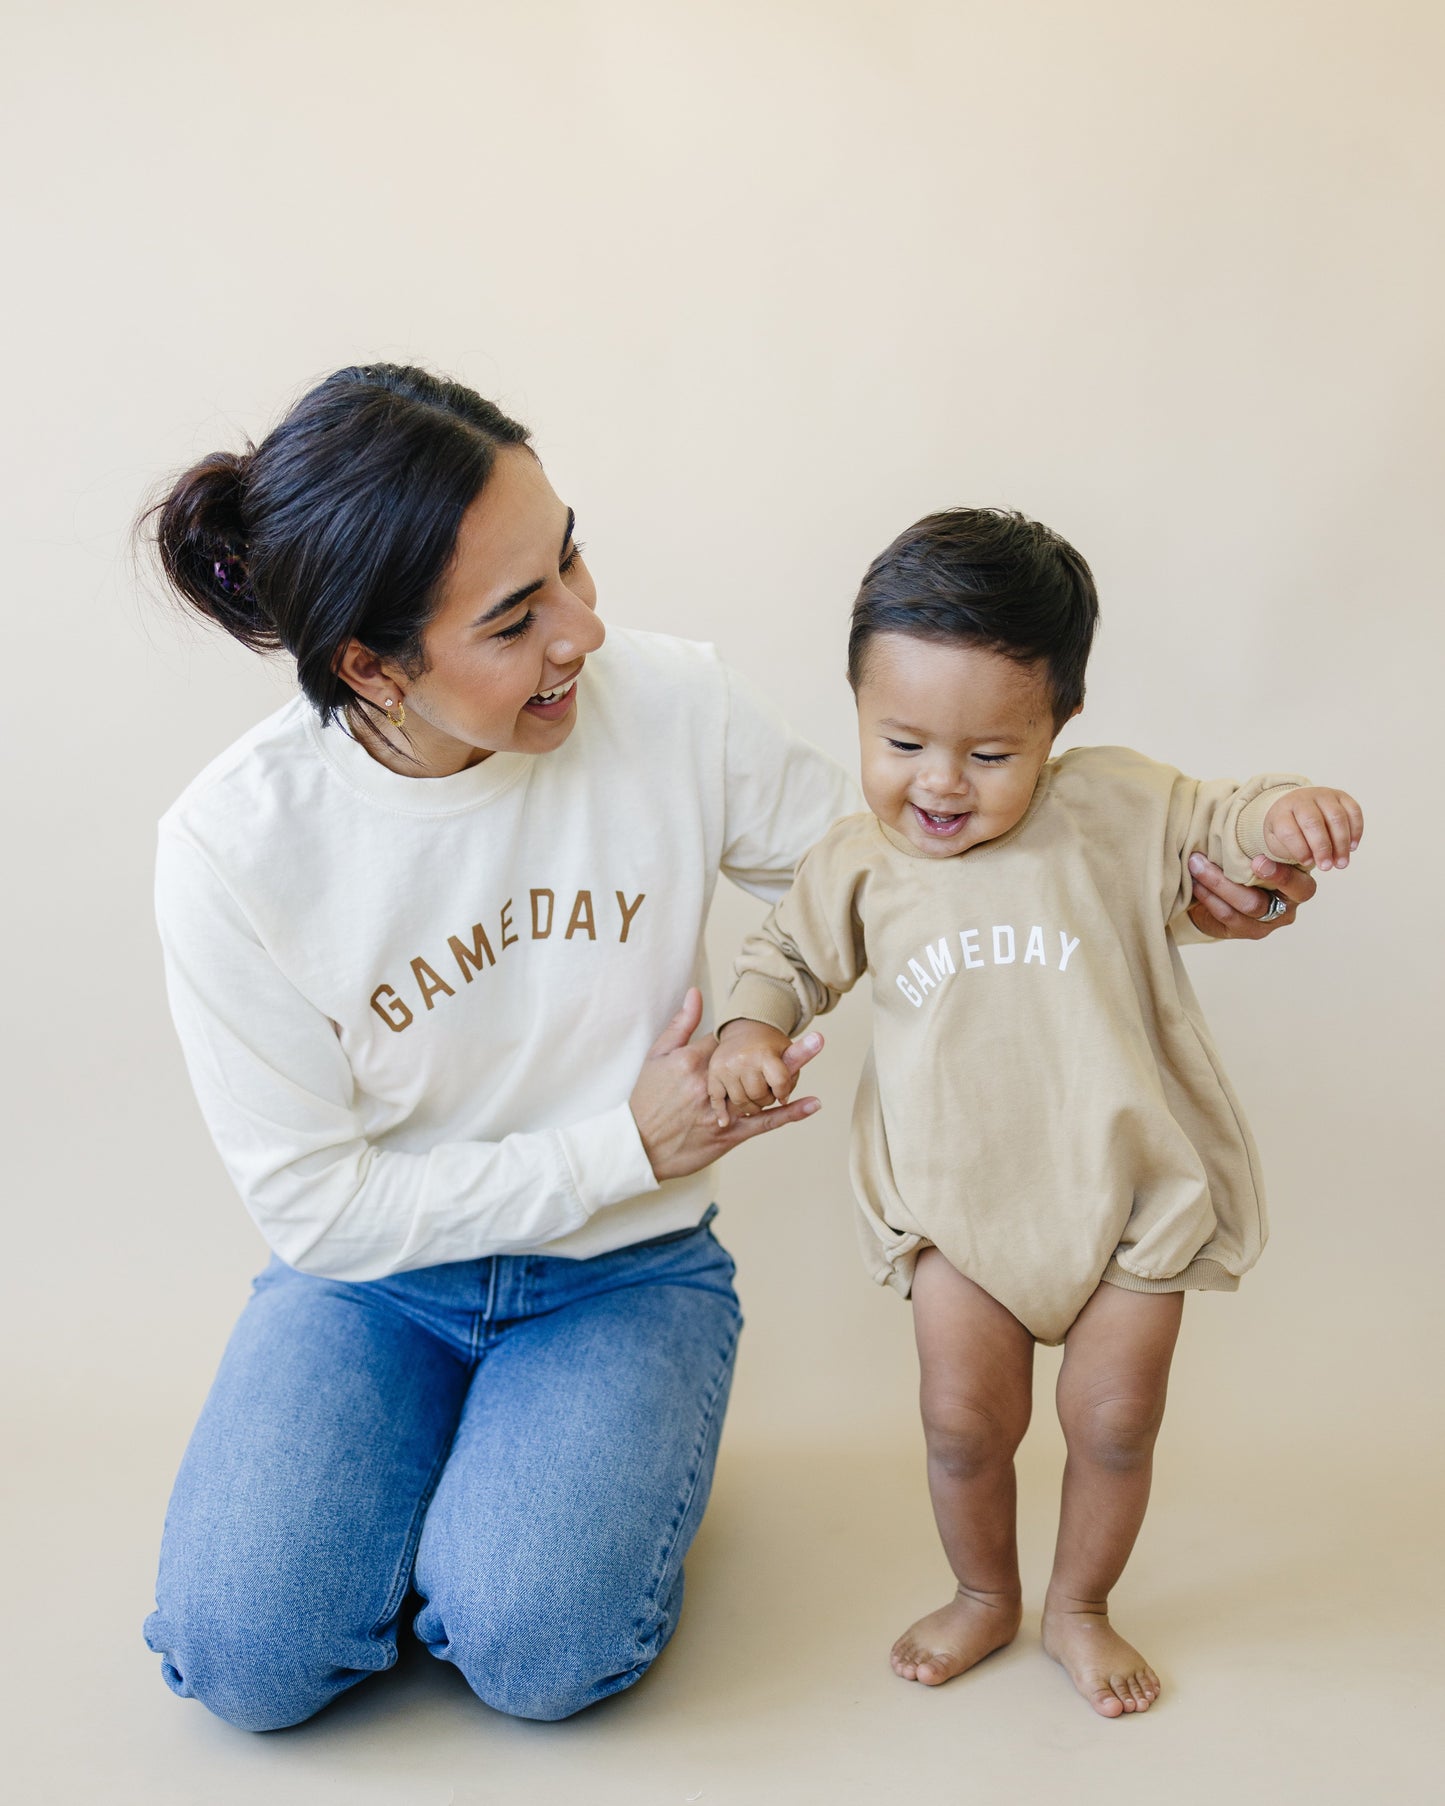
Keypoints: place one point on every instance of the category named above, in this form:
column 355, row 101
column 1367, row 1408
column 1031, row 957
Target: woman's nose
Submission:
column 577, row 632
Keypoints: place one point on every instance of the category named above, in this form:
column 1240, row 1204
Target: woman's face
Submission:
column 516, row 620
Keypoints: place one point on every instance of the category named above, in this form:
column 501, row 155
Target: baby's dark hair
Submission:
column 984, row 577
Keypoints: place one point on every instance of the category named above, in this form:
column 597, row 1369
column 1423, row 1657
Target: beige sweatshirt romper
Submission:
column 1042, row 1102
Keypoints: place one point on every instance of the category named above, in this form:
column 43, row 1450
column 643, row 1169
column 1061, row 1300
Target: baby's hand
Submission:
column 747, row 1072
column 1313, row 826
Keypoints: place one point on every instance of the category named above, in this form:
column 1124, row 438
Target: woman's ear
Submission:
column 370, row 677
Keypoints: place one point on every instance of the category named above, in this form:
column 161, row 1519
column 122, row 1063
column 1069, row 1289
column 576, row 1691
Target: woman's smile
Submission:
column 553, row 704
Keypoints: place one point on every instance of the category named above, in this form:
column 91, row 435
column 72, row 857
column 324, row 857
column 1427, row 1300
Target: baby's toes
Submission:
column 1141, row 1697
column 1125, row 1693
column 1106, row 1702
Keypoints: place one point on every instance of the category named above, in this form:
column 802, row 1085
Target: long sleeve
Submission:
column 782, row 794
column 1224, row 821
column 810, row 950
column 279, row 1098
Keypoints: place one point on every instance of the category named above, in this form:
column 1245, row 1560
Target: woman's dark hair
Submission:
column 984, row 577
column 340, row 525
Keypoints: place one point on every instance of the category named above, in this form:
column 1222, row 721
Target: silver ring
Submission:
column 1277, row 907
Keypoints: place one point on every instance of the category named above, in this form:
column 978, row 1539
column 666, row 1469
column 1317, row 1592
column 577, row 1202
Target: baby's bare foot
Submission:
column 955, row 1637
column 1110, row 1673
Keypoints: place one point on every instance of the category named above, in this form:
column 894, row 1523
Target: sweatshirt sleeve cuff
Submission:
column 1249, row 823
column 762, row 999
column 607, row 1160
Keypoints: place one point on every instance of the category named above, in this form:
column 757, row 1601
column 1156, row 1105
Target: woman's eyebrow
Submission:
column 518, row 596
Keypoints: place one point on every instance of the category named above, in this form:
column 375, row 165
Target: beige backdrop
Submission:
column 768, row 281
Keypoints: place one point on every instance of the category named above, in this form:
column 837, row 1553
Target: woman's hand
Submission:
column 1231, row 912
column 669, row 1102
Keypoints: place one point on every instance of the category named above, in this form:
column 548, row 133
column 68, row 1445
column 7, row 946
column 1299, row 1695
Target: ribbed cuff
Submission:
column 607, row 1160
column 1198, row 1276
column 1249, row 823
column 762, row 999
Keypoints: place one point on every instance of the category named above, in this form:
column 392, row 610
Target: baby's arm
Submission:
column 1314, row 826
column 807, row 953
column 1239, row 826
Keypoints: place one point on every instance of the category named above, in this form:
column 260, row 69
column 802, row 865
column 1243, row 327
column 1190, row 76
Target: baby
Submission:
column 1045, row 1146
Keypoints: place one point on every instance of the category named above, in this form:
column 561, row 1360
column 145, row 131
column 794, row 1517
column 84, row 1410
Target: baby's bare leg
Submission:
column 1111, row 1402
column 976, row 1362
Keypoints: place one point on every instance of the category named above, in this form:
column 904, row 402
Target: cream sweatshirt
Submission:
column 414, row 1009
column 1042, row 1102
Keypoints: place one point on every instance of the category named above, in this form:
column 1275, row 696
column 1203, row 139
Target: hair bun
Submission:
column 203, row 543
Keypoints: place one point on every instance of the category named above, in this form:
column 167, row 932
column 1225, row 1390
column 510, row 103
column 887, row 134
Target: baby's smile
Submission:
column 943, row 827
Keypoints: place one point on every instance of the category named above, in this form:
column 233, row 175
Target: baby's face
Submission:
column 952, row 739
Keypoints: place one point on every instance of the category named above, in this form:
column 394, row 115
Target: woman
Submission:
column 421, row 927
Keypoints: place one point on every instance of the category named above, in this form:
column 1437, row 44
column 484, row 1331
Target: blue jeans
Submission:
column 525, row 1441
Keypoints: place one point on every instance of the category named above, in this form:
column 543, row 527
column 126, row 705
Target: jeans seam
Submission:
column 413, row 1537
column 488, row 1317
column 649, row 1613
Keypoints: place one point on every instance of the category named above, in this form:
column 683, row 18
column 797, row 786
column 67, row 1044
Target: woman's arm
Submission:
column 279, row 1097
column 781, row 794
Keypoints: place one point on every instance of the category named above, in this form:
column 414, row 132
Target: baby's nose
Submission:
column 944, row 783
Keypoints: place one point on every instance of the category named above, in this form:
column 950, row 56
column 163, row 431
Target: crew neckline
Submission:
column 903, row 845
column 464, row 790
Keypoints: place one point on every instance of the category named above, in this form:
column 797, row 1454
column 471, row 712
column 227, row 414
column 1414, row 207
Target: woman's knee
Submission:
column 544, row 1658
column 263, row 1668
